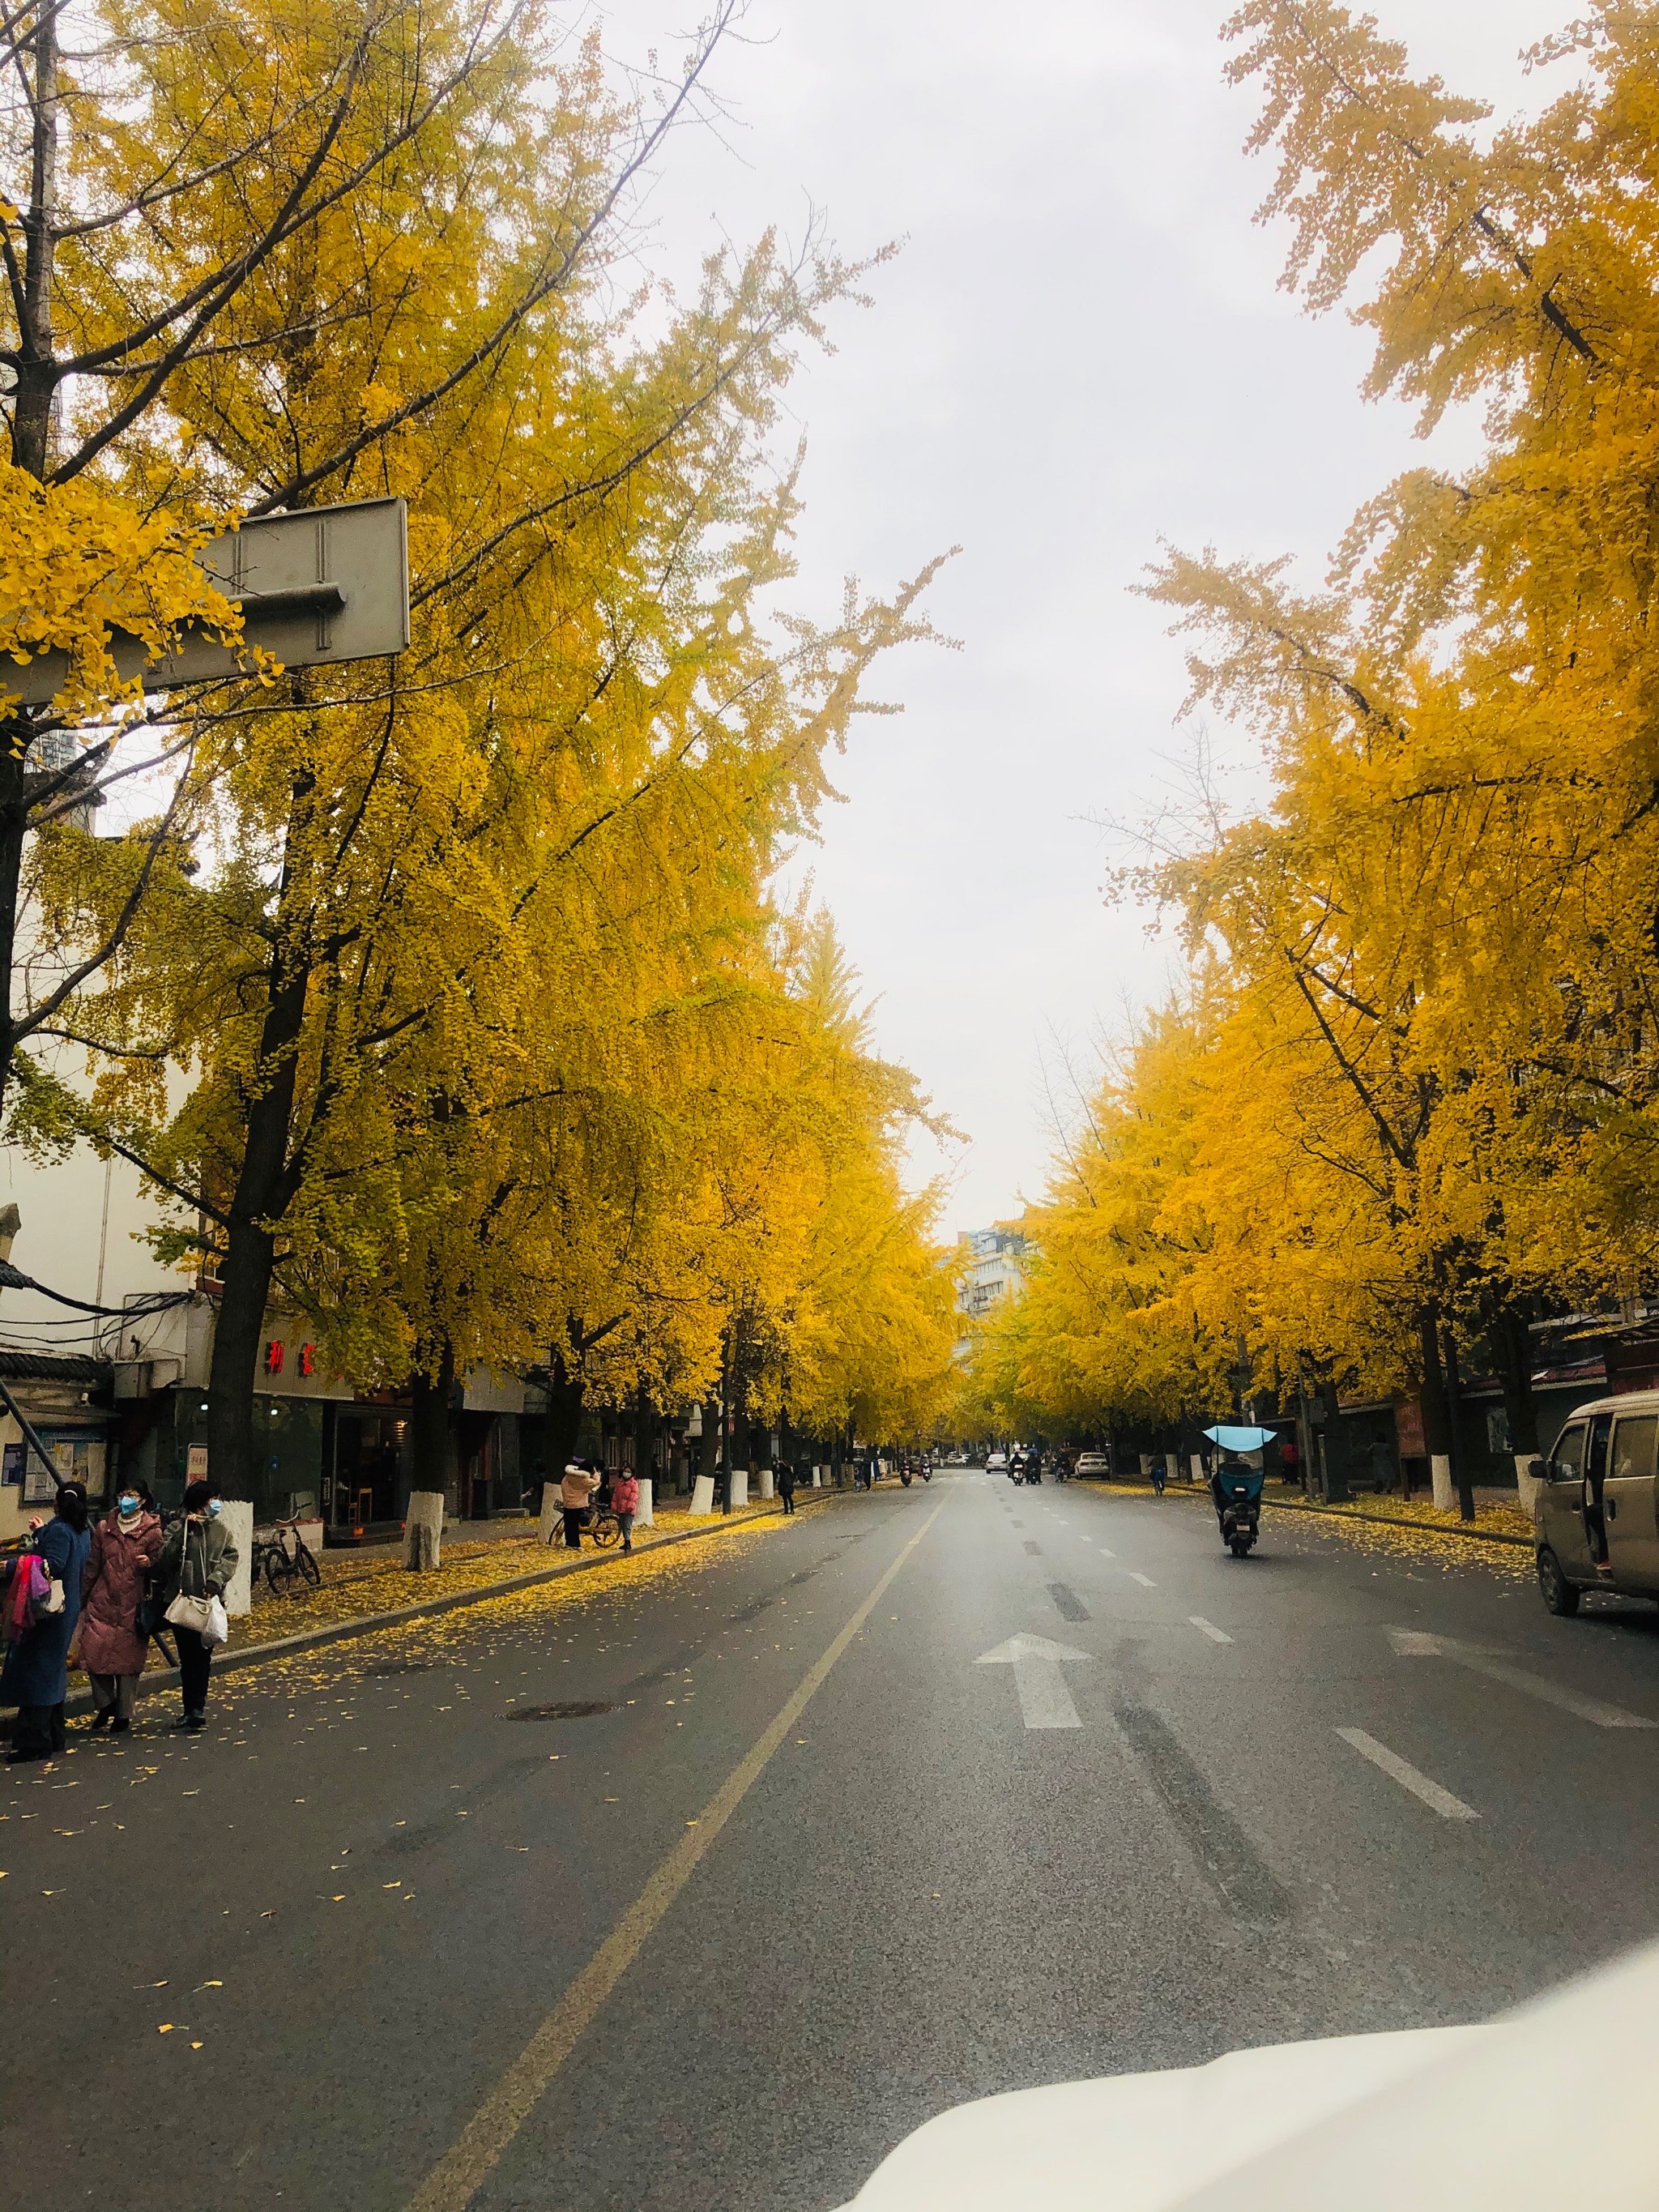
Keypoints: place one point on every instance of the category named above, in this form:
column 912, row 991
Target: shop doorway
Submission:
column 366, row 1479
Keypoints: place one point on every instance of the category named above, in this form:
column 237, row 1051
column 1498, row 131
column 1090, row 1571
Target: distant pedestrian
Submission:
column 1159, row 1477
column 787, row 1485
column 126, row 1543
column 197, row 1561
column 625, row 1504
column 577, row 1487
column 35, row 1678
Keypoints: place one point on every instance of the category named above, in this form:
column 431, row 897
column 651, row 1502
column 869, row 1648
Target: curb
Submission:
column 343, row 1632
column 1383, row 1520
column 1399, row 1520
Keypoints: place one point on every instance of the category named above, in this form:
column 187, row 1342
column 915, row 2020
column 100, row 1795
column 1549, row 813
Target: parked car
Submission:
column 1095, row 1463
column 1594, row 1510
column 997, row 1463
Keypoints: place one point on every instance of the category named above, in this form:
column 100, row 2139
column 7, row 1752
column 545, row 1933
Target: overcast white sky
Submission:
column 1080, row 349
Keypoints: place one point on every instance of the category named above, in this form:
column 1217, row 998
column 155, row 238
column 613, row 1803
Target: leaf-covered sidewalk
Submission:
column 352, row 1591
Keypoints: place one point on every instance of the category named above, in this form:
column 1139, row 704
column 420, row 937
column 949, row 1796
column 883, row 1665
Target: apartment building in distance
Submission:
column 992, row 1269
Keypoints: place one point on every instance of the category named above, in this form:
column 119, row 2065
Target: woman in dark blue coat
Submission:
column 35, row 1678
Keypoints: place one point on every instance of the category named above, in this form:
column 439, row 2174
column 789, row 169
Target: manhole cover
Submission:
column 568, row 1708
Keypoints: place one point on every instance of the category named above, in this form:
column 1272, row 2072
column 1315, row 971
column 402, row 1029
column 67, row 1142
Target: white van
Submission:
column 1596, row 1508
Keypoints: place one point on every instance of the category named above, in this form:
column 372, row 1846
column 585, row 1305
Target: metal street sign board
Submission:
column 327, row 585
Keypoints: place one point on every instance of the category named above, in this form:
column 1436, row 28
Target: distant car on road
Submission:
column 1092, row 1463
column 996, row 1463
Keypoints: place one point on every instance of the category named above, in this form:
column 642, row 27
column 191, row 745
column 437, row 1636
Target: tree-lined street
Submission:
column 381, row 1873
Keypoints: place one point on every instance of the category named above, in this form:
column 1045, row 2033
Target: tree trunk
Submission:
column 17, row 735
column 1512, row 1342
column 434, row 1464
column 37, row 369
column 1437, row 1407
column 1459, row 1447
column 644, row 1437
column 565, row 1391
column 708, row 1443
column 266, row 1183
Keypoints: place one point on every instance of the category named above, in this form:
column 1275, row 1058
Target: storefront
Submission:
column 66, row 1399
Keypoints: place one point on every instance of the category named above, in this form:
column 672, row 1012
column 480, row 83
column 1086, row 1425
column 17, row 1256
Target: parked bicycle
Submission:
column 603, row 1525
column 281, row 1567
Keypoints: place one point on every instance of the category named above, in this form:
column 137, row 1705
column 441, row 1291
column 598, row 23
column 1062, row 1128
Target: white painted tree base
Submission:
column 817, row 1477
column 702, row 1494
column 1445, row 1498
column 739, row 1488
column 646, row 1518
column 1196, row 1461
column 769, row 1485
column 237, row 1514
column 423, row 1530
column 551, row 1526
column 1528, row 1485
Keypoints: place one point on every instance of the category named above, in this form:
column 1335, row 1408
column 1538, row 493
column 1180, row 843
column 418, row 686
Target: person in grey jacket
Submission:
column 198, row 1561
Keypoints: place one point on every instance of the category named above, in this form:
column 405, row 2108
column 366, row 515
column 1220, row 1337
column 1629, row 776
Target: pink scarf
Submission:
column 28, row 1589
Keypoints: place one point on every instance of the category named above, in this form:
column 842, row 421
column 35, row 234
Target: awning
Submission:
column 1241, row 1439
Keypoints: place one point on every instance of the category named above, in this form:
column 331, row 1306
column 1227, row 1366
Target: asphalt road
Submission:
column 715, row 1948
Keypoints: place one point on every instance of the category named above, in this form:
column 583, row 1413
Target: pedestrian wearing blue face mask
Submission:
column 198, row 1561
column 126, row 1545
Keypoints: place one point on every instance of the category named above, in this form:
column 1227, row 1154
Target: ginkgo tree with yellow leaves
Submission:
column 443, row 999
column 1421, row 1100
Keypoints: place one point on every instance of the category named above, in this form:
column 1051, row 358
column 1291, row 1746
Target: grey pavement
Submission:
column 1326, row 1788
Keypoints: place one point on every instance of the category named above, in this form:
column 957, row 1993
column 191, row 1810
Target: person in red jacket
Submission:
column 625, row 1504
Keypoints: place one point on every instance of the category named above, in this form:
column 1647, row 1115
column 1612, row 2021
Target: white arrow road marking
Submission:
column 1216, row 1635
column 1146, row 1580
column 1417, row 1643
column 1044, row 1701
column 1442, row 1800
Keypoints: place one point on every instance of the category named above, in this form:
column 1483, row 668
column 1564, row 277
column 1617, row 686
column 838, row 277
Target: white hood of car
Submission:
column 1552, row 2106
column 1139, row 2142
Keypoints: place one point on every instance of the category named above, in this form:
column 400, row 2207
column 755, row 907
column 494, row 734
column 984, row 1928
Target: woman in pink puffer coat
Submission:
column 126, row 1545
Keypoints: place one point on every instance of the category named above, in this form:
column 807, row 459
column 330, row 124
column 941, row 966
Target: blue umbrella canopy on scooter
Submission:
column 1240, row 1439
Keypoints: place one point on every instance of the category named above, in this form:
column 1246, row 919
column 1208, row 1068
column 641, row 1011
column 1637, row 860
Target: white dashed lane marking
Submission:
column 1208, row 1628
column 1402, row 1770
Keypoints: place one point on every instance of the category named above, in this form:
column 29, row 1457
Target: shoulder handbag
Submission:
column 187, row 1612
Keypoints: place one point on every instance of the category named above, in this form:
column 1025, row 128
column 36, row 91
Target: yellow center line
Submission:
column 461, row 2171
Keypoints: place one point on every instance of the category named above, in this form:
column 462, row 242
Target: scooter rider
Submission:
column 1228, row 1467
